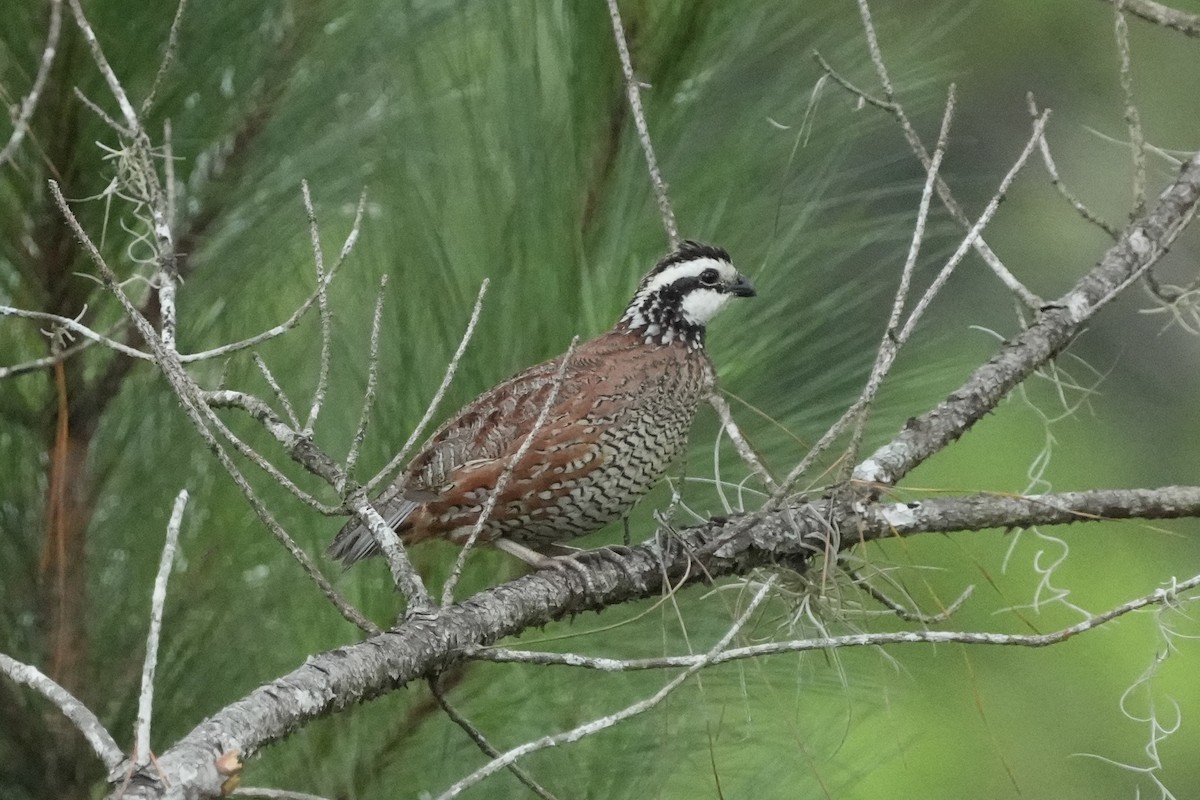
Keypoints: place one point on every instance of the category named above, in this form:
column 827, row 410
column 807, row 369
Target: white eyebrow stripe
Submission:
column 686, row 269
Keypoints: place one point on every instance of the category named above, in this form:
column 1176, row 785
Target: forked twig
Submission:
column 894, row 108
column 597, row 725
column 29, row 104
column 431, row 409
column 1057, row 182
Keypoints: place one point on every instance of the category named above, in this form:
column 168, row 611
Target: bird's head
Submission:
column 686, row 289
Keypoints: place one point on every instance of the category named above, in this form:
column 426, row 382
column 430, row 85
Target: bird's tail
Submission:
column 354, row 541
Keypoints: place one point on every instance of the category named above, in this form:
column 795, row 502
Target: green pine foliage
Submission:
column 493, row 141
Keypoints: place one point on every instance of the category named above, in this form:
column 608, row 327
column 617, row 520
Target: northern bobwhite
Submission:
column 621, row 414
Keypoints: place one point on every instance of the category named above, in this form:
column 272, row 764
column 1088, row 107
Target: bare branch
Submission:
column 431, row 409
column 597, row 725
column 266, row 335
column 36, row 364
column 1058, row 184
column 1039, row 126
column 893, row 339
column 80, row 716
column 1140, row 247
column 481, row 741
column 904, row 613
column 76, row 327
column 326, row 315
column 141, row 753
column 168, row 56
column 272, row 794
column 114, row 84
column 201, row 415
column 1160, row 14
column 1133, row 118
column 1164, row 596
column 269, row 377
column 633, row 92
column 29, row 104
column 104, row 116
column 405, row 577
column 425, row 645
column 740, row 444
column 293, row 440
column 360, row 434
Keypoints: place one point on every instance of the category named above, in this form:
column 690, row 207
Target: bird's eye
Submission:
column 709, row 277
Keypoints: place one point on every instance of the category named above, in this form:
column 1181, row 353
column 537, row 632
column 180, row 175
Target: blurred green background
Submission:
column 493, row 141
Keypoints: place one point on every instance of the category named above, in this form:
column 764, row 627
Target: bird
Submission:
column 620, row 410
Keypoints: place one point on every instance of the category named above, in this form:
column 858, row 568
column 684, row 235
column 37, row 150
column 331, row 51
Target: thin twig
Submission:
column 36, row 364
column 103, row 745
column 1133, row 117
column 360, row 434
column 902, row 336
column 740, row 444
column 976, row 230
column 431, row 409
column 1056, row 181
column 403, row 575
column 633, row 92
column 167, row 58
column 1158, row 597
column 288, row 436
column 29, row 104
column 506, row 474
column 132, row 122
column 481, row 741
column 76, row 327
column 326, row 315
column 280, row 394
column 891, row 342
column 141, row 752
column 899, row 609
column 273, row 794
column 267, row 335
column 597, row 725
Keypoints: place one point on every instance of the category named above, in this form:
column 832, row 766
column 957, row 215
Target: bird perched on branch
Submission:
column 619, row 411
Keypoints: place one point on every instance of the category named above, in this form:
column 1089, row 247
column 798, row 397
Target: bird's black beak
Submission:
column 742, row 287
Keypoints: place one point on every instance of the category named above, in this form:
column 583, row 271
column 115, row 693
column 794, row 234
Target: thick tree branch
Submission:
column 1141, row 245
column 1160, row 14
column 425, row 646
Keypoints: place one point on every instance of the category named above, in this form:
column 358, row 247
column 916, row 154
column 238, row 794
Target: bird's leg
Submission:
column 538, row 560
column 627, row 539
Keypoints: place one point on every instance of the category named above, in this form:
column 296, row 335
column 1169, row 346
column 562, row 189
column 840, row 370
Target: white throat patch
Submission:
column 701, row 305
